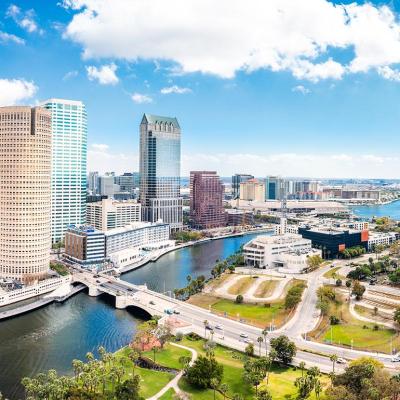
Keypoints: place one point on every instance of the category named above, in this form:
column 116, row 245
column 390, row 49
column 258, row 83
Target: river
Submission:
column 391, row 210
column 51, row 337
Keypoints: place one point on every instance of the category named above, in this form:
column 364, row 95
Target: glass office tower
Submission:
column 160, row 164
column 69, row 154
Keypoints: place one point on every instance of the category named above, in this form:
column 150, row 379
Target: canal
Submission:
column 51, row 337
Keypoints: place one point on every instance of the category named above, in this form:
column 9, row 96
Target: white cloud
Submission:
column 293, row 164
column 105, row 75
column 227, row 36
column 389, row 73
column 141, row 98
column 9, row 37
column 13, row 91
column 175, row 89
column 100, row 146
column 70, row 75
column 301, row 89
column 24, row 19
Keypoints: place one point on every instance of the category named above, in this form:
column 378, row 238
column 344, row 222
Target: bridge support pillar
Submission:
column 93, row 291
column 120, row 302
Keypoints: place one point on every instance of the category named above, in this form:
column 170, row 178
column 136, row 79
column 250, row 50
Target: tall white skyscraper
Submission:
column 160, row 164
column 69, row 154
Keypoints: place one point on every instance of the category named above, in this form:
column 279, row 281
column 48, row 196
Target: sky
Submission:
column 307, row 88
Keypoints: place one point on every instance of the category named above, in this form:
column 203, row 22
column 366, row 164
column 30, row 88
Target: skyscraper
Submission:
column 206, row 200
column 68, row 178
column 25, row 192
column 237, row 179
column 160, row 164
column 93, row 184
column 274, row 188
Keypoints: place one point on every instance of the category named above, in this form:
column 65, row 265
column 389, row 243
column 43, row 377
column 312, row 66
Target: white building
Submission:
column 136, row 235
column 385, row 239
column 289, row 251
column 109, row 214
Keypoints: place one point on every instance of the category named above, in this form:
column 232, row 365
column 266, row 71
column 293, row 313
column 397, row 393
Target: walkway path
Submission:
column 356, row 315
column 173, row 384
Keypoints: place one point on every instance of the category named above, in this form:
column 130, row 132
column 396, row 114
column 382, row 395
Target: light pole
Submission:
column 352, row 344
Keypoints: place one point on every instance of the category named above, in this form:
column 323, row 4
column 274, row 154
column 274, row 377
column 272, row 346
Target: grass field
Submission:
column 363, row 334
column 255, row 314
column 266, row 288
column 169, row 356
column 168, row 395
column 241, row 285
column 281, row 380
column 333, row 273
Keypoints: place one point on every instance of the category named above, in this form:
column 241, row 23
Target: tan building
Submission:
column 25, row 192
column 252, row 190
column 109, row 214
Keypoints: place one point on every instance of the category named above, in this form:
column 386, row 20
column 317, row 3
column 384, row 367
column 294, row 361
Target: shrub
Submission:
column 239, row 299
column 334, row 320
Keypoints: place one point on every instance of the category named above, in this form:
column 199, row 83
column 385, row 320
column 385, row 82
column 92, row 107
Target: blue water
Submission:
column 391, row 210
column 51, row 337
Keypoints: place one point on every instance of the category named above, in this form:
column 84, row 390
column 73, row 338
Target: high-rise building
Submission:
column 68, row 177
column 206, row 200
column 160, row 164
column 274, row 188
column 252, row 190
column 93, row 184
column 25, row 192
column 107, row 187
column 237, row 179
column 108, row 213
column 127, row 182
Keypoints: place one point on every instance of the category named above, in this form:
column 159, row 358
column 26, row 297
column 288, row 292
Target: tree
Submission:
column 202, row 371
column 396, row 316
column 134, row 356
column 223, row 389
column 129, row 389
column 263, row 394
column 205, row 323
column 293, row 296
column 285, row 349
column 259, row 341
column 313, row 262
column 265, row 334
column 358, row 290
column 239, row 299
column 214, row 385
column 302, row 366
column 249, row 350
column 255, row 371
column 334, row 359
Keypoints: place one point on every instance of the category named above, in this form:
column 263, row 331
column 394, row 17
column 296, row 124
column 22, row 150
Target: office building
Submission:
column 274, row 188
column 237, row 179
column 109, row 214
column 107, row 186
column 160, row 164
column 252, row 190
column 288, row 251
column 334, row 240
column 137, row 235
column 93, row 183
column 68, row 178
column 206, row 200
column 25, row 192
column 85, row 245
column 239, row 217
column 127, row 182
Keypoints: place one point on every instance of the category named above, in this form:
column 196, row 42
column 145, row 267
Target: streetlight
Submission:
column 352, row 341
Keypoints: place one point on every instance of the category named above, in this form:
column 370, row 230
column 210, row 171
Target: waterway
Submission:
column 51, row 337
column 391, row 210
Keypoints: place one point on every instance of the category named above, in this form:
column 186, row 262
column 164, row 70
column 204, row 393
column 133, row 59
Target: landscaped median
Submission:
column 258, row 314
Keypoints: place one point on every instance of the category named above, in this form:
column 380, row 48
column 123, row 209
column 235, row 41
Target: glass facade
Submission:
column 69, row 154
column 160, row 162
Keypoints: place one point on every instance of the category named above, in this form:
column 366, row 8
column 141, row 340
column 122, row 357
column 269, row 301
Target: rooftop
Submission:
column 153, row 119
column 132, row 227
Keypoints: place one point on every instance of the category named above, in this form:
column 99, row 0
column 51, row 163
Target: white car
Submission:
column 219, row 327
column 341, row 361
column 244, row 335
column 249, row 341
column 395, row 359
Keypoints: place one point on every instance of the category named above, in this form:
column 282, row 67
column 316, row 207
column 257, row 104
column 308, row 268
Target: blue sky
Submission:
column 299, row 88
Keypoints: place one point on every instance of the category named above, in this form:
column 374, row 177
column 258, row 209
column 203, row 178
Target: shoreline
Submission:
column 21, row 310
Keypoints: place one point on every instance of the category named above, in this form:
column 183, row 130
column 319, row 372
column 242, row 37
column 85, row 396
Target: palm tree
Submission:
column 205, row 323
column 317, row 388
column 265, row 334
column 334, row 359
column 77, row 365
column 302, row 367
column 259, row 340
column 223, row 388
column 214, row 384
column 134, row 356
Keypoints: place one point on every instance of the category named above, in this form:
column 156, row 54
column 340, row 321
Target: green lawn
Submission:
column 332, row 272
column 168, row 395
column 169, row 356
column 281, row 380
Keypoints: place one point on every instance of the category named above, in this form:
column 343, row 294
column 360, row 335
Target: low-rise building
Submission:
column 252, row 190
column 288, row 251
column 137, row 235
column 239, row 217
column 385, row 239
column 85, row 245
column 109, row 214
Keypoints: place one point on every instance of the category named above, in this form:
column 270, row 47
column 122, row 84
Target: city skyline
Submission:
column 326, row 102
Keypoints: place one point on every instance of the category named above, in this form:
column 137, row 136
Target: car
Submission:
column 209, row 327
column 168, row 311
column 177, row 312
column 247, row 340
column 98, row 281
column 395, row 359
column 371, row 282
column 130, row 289
column 152, row 303
column 244, row 335
column 341, row 360
column 219, row 327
